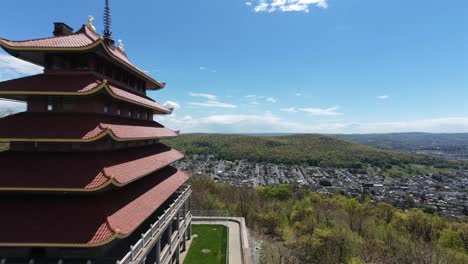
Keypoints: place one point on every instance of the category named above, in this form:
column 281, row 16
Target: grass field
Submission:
column 208, row 246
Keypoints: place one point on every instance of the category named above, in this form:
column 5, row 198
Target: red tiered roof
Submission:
column 59, row 172
column 77, row 127
column 74, row 84
column 85, row 221
column 83, row 39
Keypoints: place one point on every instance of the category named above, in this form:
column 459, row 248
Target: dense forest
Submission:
column 300, row 227
column 311, row 149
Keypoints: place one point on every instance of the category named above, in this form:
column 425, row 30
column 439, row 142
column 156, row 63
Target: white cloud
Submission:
column 298, row 94
column 289, row 110
column 11, row 67
column 288, row 5
column 203, row 68
column 332, row 111
column 172, row 104
column 211, row 97
column 8, row 107
column 253, row 99
column 248, row 3
column 271, row 123
column 245, row 124
column 261, row 7
column 212, row 104
column 383, row 97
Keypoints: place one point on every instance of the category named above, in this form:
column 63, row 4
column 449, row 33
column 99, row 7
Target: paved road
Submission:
column 235, row 246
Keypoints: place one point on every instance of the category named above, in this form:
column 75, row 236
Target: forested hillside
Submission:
column 299, row 227
column 315, row 150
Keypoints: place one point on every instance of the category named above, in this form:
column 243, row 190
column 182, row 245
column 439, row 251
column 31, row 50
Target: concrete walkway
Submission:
column 235, row 243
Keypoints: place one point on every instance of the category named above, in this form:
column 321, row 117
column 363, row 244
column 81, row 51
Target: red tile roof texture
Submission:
column 90, row 220
column 80, row 39
column 80, row 127
column 74, row 83
column 77, row 40
column 65, row 171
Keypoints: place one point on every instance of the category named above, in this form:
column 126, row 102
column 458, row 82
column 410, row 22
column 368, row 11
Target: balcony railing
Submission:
column 137, row 252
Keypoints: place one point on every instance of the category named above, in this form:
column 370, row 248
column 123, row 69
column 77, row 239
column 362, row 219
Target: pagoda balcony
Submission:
column 86, row 127
column 79, row 86
column 151, row 240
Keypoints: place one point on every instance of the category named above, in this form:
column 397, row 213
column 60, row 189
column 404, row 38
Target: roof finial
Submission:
column 90, row 23
column 121, row 45
column 107, row 21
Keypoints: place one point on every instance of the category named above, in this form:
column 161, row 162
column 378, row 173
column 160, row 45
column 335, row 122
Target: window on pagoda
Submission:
column 108, row 70
column 100, row 66
column 106, row 108
column 130, row 113
column 79, row 62
column 118, row 75
column 68, row 104
column 118, row 112
column 55, row 62
column 76, row 146
column 132, row 82
column 54, row 104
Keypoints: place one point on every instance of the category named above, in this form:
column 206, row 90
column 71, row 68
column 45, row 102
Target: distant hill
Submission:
column 316, row 150
column 411, row 141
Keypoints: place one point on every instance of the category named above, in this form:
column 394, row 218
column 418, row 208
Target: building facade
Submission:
column 86, row 179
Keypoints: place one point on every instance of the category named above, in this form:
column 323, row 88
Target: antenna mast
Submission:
column 107, row 20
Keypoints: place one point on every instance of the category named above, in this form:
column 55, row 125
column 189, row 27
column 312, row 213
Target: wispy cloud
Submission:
column 11, row 67
column 272, row 123
column 211, row 97
column 253, row 99
column 172, row 104
column 203, row 68
column 332, row 111
column 298, row 94
column 212, row 104
column 383, row 97
column 289, row 110
column 271, row 6
column 248, row 3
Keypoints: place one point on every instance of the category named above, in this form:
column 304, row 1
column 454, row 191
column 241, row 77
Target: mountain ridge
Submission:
column 312, row 149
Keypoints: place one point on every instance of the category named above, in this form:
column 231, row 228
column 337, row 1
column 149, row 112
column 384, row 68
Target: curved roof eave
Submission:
column 96, row 41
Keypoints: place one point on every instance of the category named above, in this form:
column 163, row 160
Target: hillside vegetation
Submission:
column 300, row 227
column 314, row 150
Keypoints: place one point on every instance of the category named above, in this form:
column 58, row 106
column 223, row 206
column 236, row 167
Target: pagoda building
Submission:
column 86, row 179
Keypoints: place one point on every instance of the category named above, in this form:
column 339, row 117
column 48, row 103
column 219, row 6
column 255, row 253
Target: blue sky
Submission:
column 317, row 66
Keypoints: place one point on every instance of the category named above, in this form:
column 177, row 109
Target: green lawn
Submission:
column 211, row 239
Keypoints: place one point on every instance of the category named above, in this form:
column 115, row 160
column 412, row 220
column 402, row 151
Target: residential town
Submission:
column 442, row 193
